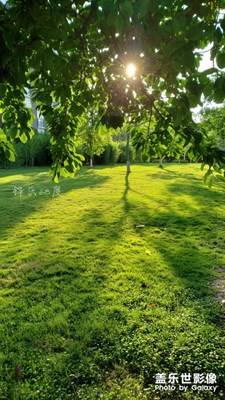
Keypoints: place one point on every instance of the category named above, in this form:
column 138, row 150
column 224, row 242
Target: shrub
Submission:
column 110, row 154
column 123, row 152
column 115, row 152
column 34, row 152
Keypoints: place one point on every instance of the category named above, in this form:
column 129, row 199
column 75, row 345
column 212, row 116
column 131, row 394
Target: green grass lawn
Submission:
column 110, row 283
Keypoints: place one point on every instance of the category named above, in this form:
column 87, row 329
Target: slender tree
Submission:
column 92, row 137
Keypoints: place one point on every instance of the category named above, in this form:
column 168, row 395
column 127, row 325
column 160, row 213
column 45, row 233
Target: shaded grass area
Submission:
column 109, row 283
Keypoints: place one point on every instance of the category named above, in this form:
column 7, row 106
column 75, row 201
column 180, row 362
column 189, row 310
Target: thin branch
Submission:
column 89, row 18
column 149, row 122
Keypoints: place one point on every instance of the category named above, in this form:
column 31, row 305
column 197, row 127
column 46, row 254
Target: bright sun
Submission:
column 131, row 70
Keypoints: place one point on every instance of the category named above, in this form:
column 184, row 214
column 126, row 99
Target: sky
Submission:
column 206, row 62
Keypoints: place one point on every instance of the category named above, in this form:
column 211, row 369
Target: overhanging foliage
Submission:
column 71, row 54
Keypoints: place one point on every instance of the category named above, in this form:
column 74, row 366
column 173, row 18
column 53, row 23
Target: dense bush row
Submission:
column 36, row 152
column 115, row 152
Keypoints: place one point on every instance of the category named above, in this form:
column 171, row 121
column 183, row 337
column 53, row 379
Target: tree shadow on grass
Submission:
column 126, row 191
column 168, row 174
column 185, row 238
column 84, row 311
column 28, row 190
column 187, row 241
column 186, row 245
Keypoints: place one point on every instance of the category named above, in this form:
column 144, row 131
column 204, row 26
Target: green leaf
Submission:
column 79, row 157
column 193, row 87
column 210, row 181
column 127, row 9
column 55, row 170
column 220, row 60
column 210, row 71
column 10, row 154
column 194, row 100
column 112, row 121
column 152, row 151
column 154, row 5
column 219, row 92
column 166, row 3
column 148, row 6
column 208, row 89
column 197, row 138
column 119, row 23
column 3, row 89
column 23, row 137
column 9, row 39
column 188, row 59
column 77, row 109
column 106, row 5
column 56, row 177
column 111, row 19
column 13, row 131
column 101, row 129
column 6, row 116
column 145, row 157
column 207, row 174
column 180, row 111
column 217, row 168
column 220, row 177
column 69, row 168
column 218, row 35
column 144, row 7
column 177, row 117
column 194, row 32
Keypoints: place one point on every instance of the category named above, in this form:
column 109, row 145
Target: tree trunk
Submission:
column 128, row 153
column 160, row 163
column 91, row 162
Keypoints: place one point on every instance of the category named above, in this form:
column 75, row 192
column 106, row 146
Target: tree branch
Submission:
column 89, row 18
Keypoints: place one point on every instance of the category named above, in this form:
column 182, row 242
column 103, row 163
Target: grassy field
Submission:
column 110, row 283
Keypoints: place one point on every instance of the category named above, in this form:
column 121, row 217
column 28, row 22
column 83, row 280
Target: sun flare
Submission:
column 131, row 70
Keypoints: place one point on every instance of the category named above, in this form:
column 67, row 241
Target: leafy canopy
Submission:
column 213, row 121
column 72, row 54
column 91, row 135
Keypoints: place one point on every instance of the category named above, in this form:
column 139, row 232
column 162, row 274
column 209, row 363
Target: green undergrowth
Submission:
column 109, row 283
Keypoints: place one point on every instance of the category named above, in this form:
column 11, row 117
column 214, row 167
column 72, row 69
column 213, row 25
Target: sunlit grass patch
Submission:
column 109, row 282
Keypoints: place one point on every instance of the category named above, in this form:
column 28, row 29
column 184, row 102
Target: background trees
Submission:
column 213, row 121
column 72, row 54
column 91, row 135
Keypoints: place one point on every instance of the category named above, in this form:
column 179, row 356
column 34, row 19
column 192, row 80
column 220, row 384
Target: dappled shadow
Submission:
column 167, row 174
column 177, row 234
column 33, row 189
column 184, row 237
column 68, row 295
